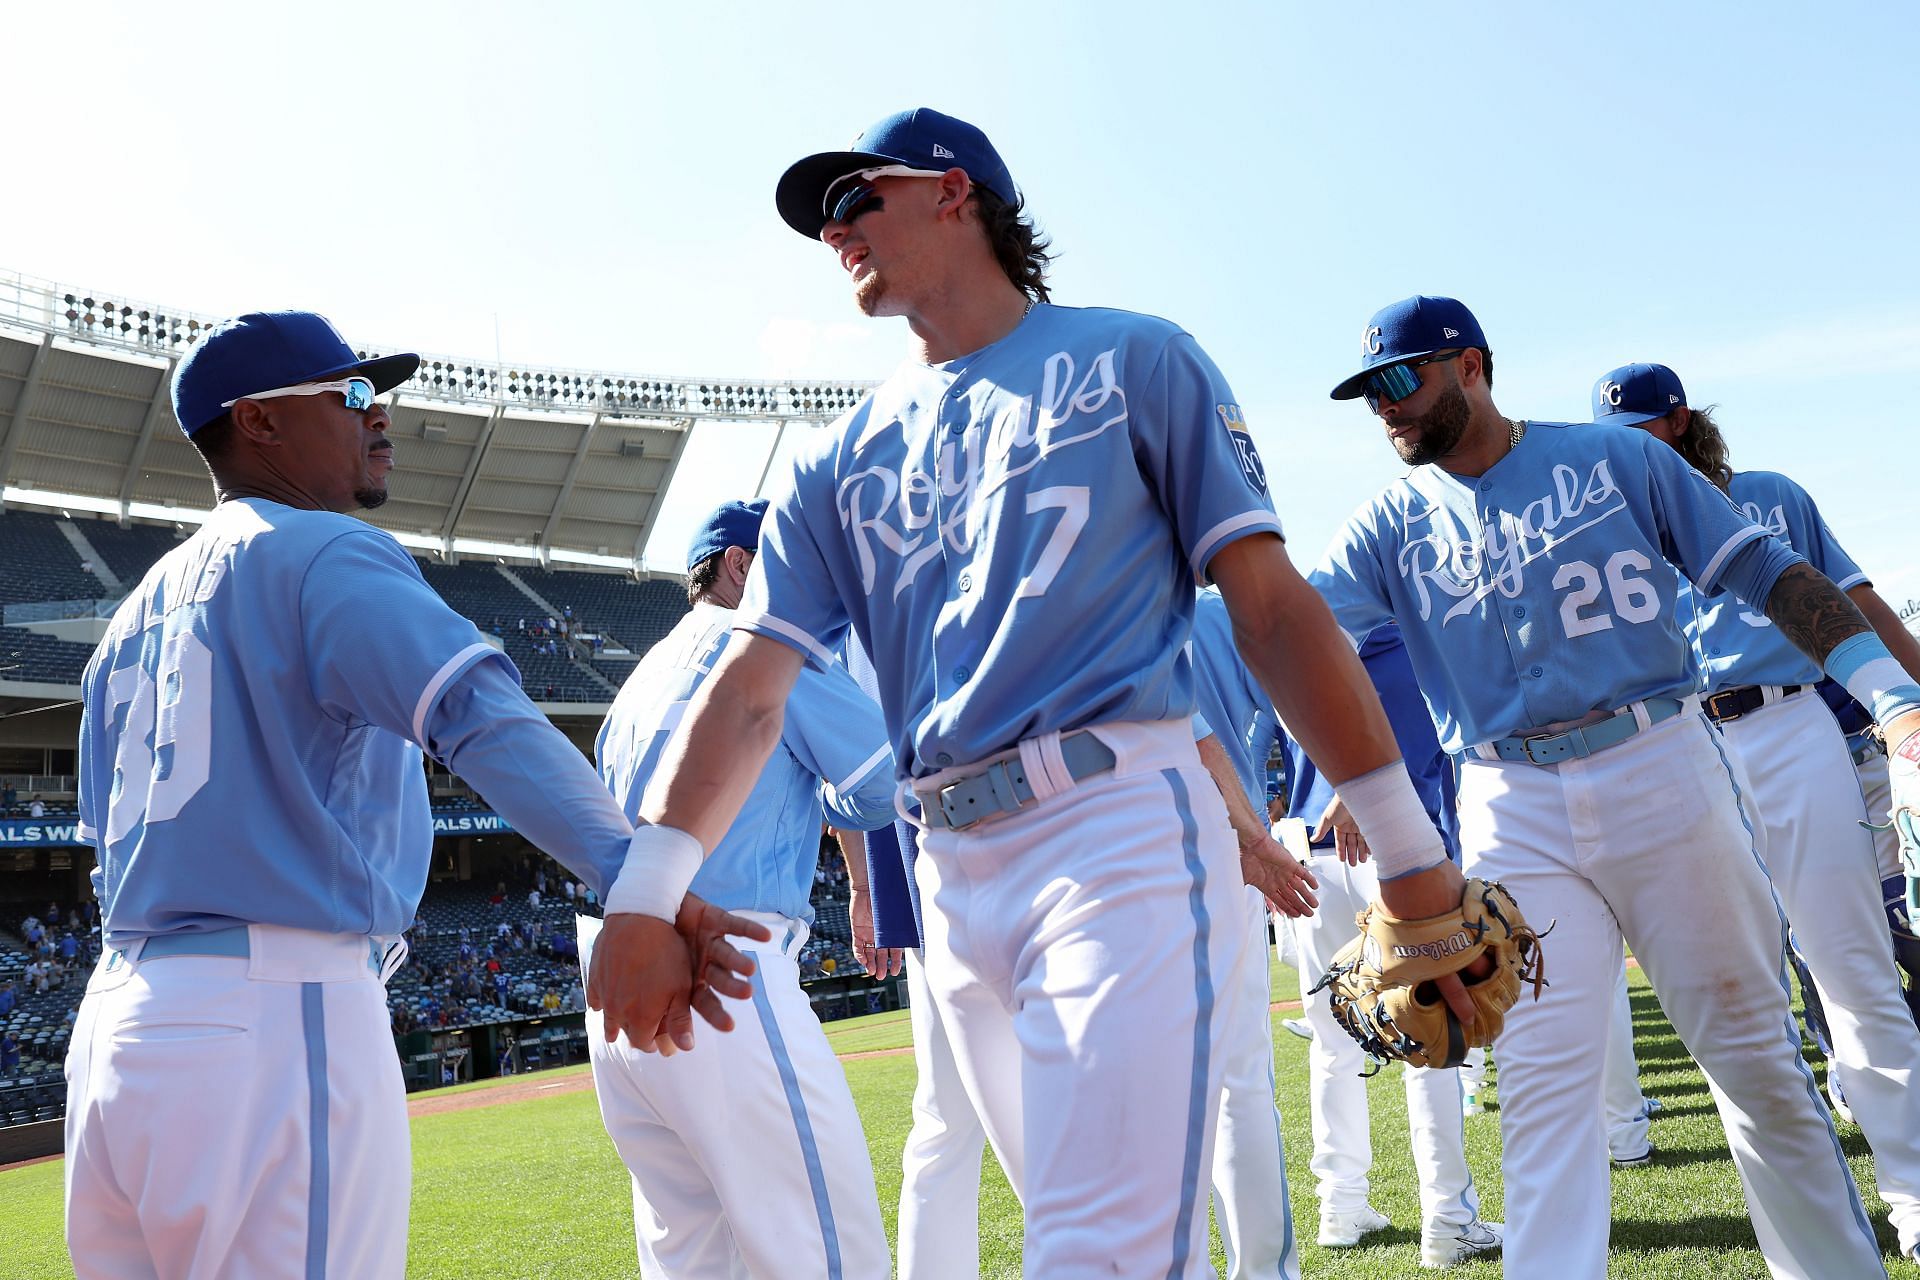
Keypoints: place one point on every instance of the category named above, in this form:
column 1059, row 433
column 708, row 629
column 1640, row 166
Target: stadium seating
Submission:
column 131, row 551
column 30, row 656
column 636, row 614
column 38, row 563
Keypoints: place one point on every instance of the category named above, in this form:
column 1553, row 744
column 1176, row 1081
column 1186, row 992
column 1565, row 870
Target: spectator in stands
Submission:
column 9, row 796
column 9, row 1052
column 8, row 997
column 498, row 899
column 69, row 947
column 533, row 898
column 567, row 891
column 53, row 909
column 36, row 809
column 550, row 1002
column 39, row 974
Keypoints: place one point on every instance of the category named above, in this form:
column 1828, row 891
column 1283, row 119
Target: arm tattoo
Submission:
column 1812, row 612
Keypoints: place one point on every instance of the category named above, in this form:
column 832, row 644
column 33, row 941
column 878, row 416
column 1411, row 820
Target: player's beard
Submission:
column 869, row 292
column 1440, row 429
column 370, row 498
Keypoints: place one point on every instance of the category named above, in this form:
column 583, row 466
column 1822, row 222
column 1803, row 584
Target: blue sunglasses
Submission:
column 857, row 199
column 1396, row 382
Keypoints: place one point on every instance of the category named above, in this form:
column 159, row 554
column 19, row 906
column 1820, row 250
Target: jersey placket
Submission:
column 950, row 447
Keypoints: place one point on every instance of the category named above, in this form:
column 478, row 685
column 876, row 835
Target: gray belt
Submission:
column 1002, row 786
column 1577, row 744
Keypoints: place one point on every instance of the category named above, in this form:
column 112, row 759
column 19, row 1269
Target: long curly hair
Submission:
column 1023, row 253
column 1704, row 448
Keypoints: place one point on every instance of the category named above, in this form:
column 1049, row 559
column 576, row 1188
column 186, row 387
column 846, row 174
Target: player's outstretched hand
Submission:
column 1347, row 840
column 648, row 976
column 1429, row 893
column 881, row 962
column 1282, row 880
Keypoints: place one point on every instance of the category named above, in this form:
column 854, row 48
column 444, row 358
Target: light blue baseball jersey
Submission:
column 1014, row 535
column 1539, row 592
column 1736, row 644
column 1231, row 700
column 250, row 741
column 832, row 761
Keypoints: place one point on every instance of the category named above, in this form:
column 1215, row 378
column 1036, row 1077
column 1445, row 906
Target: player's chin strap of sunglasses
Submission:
column 1002, row 787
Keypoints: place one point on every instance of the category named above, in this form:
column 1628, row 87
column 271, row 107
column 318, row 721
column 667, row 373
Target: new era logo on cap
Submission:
column 1449, row 333
column 941, row 153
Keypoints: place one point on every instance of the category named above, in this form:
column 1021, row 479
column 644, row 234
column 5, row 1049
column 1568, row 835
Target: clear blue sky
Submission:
column 1729, row 189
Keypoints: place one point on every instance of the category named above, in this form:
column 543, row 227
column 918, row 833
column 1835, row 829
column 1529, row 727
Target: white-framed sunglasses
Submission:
column 359, row 393
column 843, row 202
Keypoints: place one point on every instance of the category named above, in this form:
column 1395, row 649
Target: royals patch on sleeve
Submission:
column 1250, row 464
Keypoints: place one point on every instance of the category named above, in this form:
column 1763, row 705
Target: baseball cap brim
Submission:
column 1350, row 389
column 384, row 372
column 801, row 195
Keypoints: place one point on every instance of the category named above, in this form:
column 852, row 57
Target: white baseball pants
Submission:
column 1342, row 1141
column 1085, row 957
column 237, row 1118
column 1627, row 1120
column 940, row 1168
column 1249, row 1155
column 1649, row 838
column 747, row 1154
column 1827, row 874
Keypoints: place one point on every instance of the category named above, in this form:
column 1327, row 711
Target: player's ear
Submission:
column 1473, row 366
column 251, row 421
column 951, row 192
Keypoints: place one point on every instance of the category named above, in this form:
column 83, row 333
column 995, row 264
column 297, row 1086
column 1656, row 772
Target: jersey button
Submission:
column 1537, row 672
column 944, row 759
column 1519, row 611
column 966, row 582
column 962, row 674
column 956, row 428
column 1486, row 486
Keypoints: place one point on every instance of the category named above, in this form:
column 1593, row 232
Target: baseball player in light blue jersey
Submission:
column 1451, row 1231
column 747, row 1153
column 1759, row 690
column 1530, row 567
column 1012, row 525
column 250, row 776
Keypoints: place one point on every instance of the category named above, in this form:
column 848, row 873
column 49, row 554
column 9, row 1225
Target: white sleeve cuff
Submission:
column 661, row 863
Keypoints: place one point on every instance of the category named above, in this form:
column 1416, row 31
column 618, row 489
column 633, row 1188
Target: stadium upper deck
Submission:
column 528, row 494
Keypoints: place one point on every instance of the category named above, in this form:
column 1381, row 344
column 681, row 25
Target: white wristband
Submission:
column 1399, row 832
column 661, row 863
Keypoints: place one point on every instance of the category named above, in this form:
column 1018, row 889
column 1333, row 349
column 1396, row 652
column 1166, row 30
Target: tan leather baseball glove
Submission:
column 1381, row 983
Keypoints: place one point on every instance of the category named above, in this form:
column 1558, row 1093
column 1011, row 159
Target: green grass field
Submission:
column 534, row 1189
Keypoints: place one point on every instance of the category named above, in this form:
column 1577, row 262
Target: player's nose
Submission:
column 833, row 233
column 376, row 417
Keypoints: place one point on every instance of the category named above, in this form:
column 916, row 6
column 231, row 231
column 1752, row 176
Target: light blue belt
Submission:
column 1002, row 786
column 1577, row 744
column 233, row 943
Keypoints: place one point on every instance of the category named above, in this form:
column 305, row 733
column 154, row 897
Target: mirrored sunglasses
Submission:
column 1396, row 382
column 358, row 393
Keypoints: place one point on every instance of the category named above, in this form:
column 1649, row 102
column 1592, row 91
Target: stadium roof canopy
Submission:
column 564, row 466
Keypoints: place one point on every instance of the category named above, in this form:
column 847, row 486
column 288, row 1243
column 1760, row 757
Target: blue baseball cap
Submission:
column 922, row 139
column 266, row 350
column 1411, row 328
column 731, row 524
column 1636, row 393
